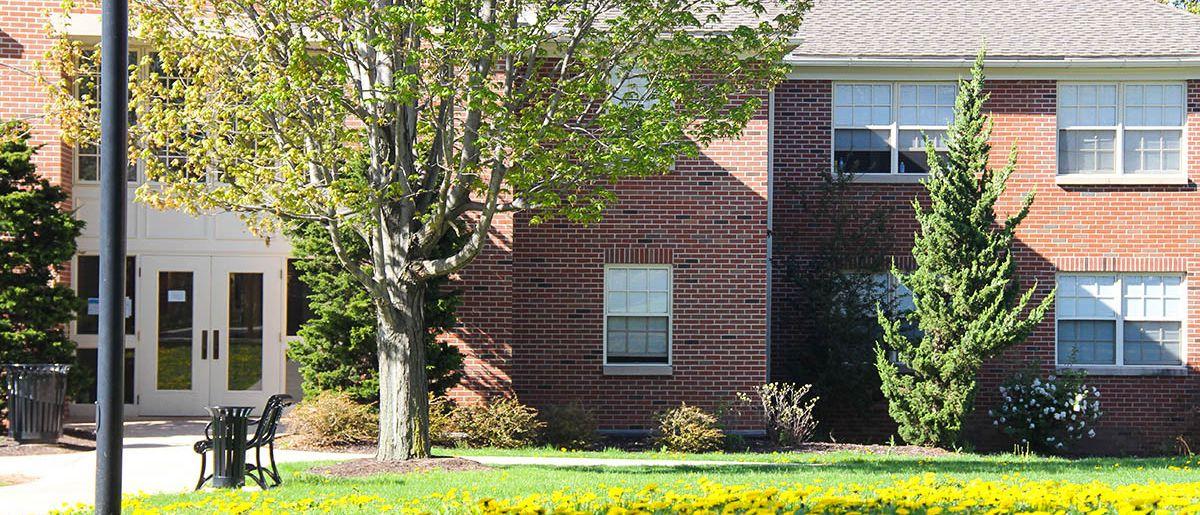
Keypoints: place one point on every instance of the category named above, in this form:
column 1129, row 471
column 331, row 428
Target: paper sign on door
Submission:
column 93, row 306
column 176, row 295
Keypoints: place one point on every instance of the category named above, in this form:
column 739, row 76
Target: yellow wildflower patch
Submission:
column 927, row 494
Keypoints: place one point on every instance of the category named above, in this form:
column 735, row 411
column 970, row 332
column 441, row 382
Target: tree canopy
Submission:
column 398, row 122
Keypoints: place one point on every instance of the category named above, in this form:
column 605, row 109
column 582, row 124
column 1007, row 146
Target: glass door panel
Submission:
column 176, row 325
column 249, row 312
column 245, row 371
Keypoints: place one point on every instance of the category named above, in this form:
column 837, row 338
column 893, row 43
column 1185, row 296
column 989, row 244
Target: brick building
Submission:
column 677, row 295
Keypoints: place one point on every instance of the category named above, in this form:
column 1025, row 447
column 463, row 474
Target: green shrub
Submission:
column 332, row 419
column 569, row 427
column 36, row 236
column 441, row 427
column 1050, row 414
column 688, row 429
column 788, row 410
column 503, row 423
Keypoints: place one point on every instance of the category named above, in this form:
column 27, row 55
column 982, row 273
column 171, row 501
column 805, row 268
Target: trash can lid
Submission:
column 59, row 368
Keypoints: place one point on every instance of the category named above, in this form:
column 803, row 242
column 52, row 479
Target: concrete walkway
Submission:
column 158, row 458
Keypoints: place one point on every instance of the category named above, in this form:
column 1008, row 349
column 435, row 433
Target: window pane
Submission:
column 632, row 88
column 1088, row 296
column 1152, row 343
column 85, row 364
column 298, row 309
column 637, row 280
column 1152, row 151
column 616, row 279
column 1087, row 342
column 636, row 302
column 1087, row 105
column 927, row 104
column 657, row 302
column 245, row 368
column 859, row 105
column 87, row 281
column 912, row 149
column 658, row 279
column 175, row 330
column 616, row 302
column 1154, row 105
column 88, row 163
column 1154, row 297
column 1086, row 151
column 862, row 151
column 637, row 339
column 87, row 88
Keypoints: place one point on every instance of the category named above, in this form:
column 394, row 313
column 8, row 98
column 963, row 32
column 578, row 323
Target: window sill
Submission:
column 889, row 178
column 1102, row 370
column 1110, row 179
column 637, row 370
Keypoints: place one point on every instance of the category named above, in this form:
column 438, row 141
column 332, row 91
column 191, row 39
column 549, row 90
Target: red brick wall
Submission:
column 708, row 220
column 24, row 42
column 1070, row 228
column 484, row 331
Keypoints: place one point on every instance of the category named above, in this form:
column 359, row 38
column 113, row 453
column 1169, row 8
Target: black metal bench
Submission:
column 266, row 428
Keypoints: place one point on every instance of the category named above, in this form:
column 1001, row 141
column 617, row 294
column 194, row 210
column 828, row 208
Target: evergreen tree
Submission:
column 968, row 306
column 337, row 349
column 36, row 235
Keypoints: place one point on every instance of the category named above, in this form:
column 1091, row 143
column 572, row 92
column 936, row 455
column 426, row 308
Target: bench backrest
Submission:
column 268, row 424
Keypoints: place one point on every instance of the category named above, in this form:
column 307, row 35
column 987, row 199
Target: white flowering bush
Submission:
column 1048, row 414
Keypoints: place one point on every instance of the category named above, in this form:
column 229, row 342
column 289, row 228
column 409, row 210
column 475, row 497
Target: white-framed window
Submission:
column 881, row 128
column 898, row 300
column 172, row 158
column 1121, row 128
column 631, row 87
column 637, row 314
column 1120, row 319
column 87, row 153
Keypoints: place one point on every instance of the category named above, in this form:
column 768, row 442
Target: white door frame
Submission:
column 210, row 331
column 270, row 381
column 151, row 399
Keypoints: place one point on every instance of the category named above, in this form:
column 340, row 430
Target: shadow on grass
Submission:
column 869, row 466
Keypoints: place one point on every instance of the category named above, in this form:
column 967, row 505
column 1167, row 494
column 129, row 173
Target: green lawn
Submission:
column 845, row 470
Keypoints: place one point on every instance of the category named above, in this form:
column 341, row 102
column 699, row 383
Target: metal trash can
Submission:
column 229, row 425
column 36, row 394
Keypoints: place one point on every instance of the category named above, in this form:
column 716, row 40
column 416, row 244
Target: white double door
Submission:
column 209, row 332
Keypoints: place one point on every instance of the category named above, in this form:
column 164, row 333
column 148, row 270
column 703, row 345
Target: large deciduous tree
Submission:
column 464, row 108
column 968, row 305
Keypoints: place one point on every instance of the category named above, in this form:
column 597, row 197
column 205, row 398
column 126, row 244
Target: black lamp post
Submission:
column 110, row 367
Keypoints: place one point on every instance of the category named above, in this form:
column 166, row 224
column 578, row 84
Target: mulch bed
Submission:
column 370, row 467
column 760, row 445
column 896, row 450
column 73, row 440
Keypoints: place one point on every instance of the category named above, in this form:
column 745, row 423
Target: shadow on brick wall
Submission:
column 10, row 48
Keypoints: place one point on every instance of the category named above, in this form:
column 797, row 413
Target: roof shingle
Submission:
column 1032, row 29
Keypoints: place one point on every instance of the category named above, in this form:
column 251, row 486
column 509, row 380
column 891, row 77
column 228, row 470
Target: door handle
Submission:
column 203, row 344
column 216, row 344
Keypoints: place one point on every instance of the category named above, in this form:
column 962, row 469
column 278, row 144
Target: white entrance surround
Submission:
column 206, row 293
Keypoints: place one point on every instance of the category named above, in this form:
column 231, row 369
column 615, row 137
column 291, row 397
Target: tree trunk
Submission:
column 403, row 388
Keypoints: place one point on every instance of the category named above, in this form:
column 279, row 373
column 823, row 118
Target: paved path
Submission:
column 158, row 457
